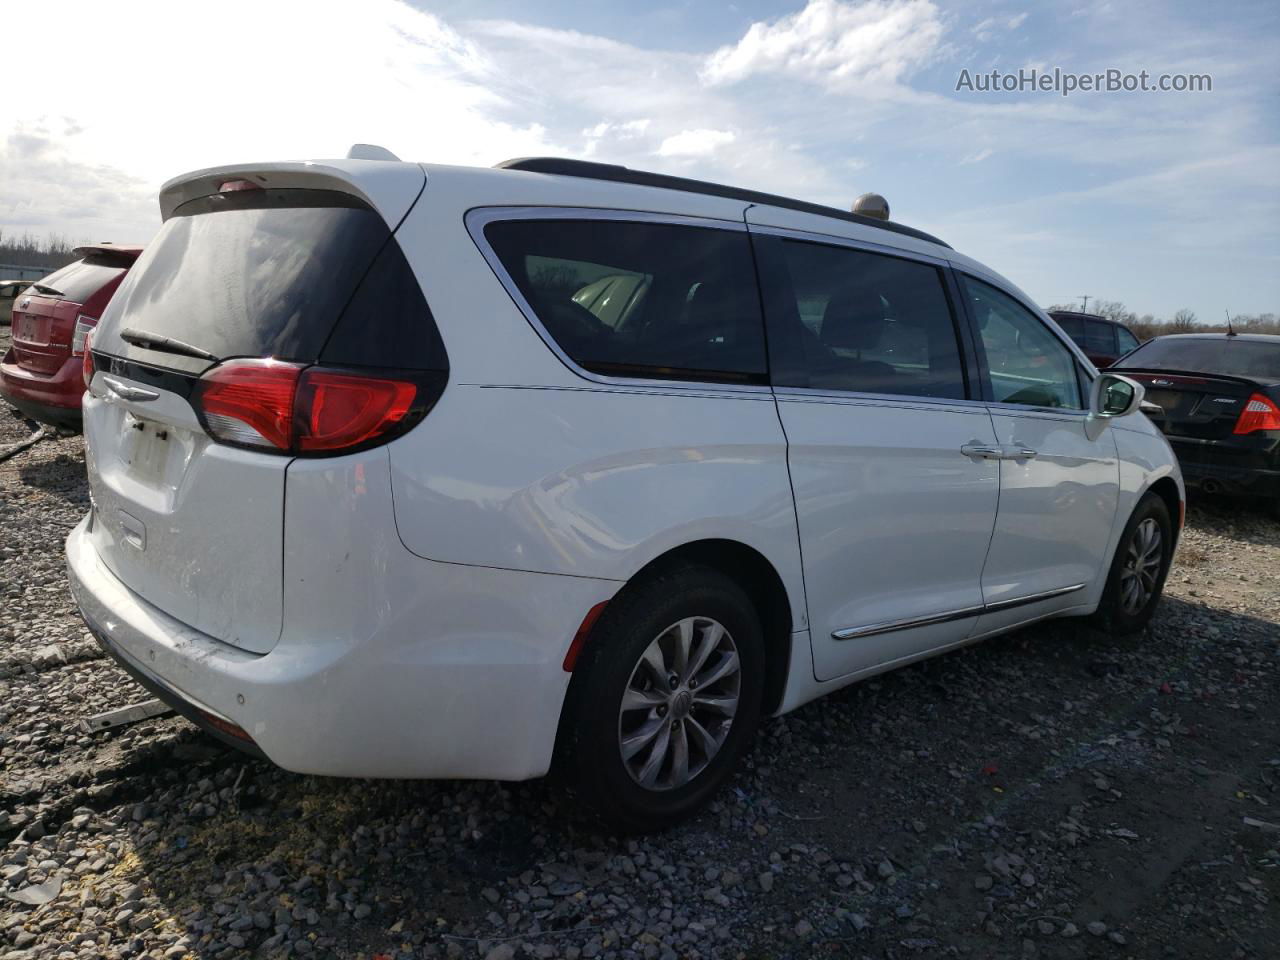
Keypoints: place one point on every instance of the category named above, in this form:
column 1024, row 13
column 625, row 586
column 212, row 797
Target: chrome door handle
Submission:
column 985, row 451
column 126, row 392
column 1016, row 451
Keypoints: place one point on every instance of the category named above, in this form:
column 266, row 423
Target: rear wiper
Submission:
column 48, row 291
column 153, row 341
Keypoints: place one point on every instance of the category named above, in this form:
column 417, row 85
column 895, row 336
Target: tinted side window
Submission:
column 1126, row 340
column 1026, row 363
column 640, row 299
column 871, row 323
column 1073, row 327
column 1099, row 338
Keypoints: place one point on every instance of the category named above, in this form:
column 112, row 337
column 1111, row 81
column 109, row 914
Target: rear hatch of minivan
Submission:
column 273, row 316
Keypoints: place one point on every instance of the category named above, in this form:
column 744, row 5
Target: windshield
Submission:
column 1228, row 356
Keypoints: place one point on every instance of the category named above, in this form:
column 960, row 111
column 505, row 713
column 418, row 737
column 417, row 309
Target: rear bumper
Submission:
column 1221, row 467
column 202, row 718
column 484, row 703
column 52, row 398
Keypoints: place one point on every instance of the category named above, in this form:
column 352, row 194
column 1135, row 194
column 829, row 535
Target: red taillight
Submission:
column 338, row 410
column 1260, row 413
column 285, row 407
column 250, row 402
column 86, row 366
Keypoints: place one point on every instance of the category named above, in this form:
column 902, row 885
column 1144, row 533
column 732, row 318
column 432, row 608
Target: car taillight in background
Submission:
column 86, row 366
column 1260, row 413
column 286, row 408
column 83, row 325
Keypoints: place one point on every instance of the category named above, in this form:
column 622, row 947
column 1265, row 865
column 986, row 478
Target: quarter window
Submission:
column 870, row 323
column 640, row 299
column 1127, row 341
column 1027, row 364
column 1073, row 327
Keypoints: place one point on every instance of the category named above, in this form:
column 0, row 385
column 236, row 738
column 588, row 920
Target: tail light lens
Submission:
column 1260, row 413
column 288, row 408
column 86, row 365
column 83, row 325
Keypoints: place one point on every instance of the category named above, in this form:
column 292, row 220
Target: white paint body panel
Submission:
column 894, row 520
column 389, row 665
column 406, row 610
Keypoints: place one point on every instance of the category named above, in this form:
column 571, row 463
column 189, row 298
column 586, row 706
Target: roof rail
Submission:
column 616, row 173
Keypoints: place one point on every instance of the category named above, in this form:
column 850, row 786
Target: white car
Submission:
column 386, row 485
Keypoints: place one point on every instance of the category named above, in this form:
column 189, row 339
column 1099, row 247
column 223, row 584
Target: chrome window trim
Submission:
column 477, row 218
column 892, row 626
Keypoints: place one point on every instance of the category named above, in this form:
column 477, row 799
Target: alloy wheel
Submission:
column 1143, row 561
column 679, row 704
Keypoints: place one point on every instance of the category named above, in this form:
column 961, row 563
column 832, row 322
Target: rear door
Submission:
column 192, row 525
column 894, row 500
column 1059, row 469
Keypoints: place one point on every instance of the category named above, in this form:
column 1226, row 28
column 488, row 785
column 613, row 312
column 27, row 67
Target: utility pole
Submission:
column 1084, row 308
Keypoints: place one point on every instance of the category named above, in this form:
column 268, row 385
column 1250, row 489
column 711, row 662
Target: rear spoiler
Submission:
column 390, row 188
column 123, row 251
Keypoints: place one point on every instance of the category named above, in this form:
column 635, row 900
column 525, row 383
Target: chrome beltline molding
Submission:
column 890, row 626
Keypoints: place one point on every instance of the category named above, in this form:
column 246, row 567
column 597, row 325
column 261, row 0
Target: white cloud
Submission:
column 976, row 157
column 695, row 143
column 864, row 47
column 290, row 79
column 984, row 30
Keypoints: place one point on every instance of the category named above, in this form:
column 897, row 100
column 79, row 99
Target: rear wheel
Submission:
column 1138, row 570
column 665, row 698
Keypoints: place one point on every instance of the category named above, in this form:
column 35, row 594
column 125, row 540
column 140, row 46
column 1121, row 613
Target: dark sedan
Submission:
column 1219, row 396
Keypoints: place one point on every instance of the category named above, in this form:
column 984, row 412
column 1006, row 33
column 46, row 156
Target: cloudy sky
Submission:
column 1162, row 200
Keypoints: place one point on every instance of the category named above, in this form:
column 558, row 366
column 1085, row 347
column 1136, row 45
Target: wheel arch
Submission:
column 1166, row 488
column 760, row 579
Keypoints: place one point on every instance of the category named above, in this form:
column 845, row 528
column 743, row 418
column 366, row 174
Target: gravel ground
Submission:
column 1055, row 793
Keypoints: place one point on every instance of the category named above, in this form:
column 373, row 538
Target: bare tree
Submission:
column 1184, row 321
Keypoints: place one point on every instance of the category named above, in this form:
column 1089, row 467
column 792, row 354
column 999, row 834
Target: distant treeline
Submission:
column 53, row 251
column 1184, row 321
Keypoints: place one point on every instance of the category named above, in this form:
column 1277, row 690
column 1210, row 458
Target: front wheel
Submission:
column 1138, row 570
column 665, row 698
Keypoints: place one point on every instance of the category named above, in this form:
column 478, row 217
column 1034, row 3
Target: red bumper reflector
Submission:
column 225, row 726
column 580, row 638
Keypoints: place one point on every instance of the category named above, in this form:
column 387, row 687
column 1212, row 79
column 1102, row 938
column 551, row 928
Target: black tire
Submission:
column 593, row 723
column 1116, row 613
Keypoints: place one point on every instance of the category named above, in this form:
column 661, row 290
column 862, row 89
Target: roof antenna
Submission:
column 1230, row 330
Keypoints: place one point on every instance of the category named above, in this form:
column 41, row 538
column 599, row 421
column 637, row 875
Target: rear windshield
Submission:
column 80, row 280
column 1229, row 356
column 268, row 273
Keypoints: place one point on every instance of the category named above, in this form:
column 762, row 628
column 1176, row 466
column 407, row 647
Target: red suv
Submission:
column 41, row 374
column 1103, row 341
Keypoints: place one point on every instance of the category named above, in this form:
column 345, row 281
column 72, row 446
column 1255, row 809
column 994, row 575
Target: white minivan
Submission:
column 404, row 470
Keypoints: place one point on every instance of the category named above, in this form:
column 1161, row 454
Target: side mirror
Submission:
column 1115, row 396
